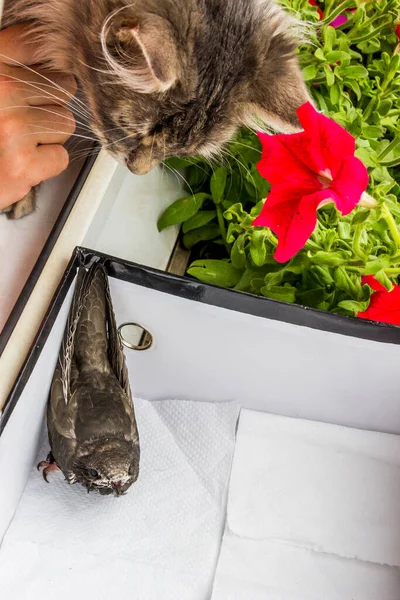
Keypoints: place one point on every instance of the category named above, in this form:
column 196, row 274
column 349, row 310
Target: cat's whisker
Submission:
column 83, row 155
column 49, row 131
column 185, row 181
column 127, row 137
column 49, row 81
column 246, row 169
column 174, row 172
column 45, row 93
column 246, row 146
column 151, row 151
column 81, row 124
column 165, row 154
column 42, row 109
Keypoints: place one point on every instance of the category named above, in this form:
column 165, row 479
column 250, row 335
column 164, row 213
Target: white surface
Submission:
column 201, row 352
column 254, row 570
column 313, row 513
column 125, row 224
column 20, row 438
column 161, row 540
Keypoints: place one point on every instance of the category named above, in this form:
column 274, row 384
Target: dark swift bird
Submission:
column 90, row 415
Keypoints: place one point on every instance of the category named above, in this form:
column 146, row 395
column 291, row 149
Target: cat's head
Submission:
column 177, row 77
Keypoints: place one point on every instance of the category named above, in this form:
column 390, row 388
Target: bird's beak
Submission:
column 116, row 489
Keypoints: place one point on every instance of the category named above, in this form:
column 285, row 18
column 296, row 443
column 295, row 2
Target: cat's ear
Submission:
column 276, row 95
column 142, row 50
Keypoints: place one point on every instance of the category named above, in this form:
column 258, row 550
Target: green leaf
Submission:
column 374, row 266
column 216, row 272
column 353, row 85
column 286, row 293
column 329, row 37
column 384, row 280
column 344, row 230
column 329, row 74
column 319, row 54
column 181, row 210
column 335, row 93
column 384, row 107
column 312, row 297
column 218, row 183
column 353, row 306
column 258, row 247
column 329, row 259
column 202, row 234
column 360, row 216
column 202, row 218
column 372, row 131
column 342, row 280
column 336, row 56
column 235, row 213
column 310, row 72
column 353, row 72
column 238, row 254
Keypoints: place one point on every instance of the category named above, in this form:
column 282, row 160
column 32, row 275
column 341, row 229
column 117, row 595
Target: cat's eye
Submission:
column 93, row 473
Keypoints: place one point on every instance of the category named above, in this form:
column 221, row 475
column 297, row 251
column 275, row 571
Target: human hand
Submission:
column 34, row 122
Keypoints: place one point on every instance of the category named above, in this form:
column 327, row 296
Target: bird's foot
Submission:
column 48, row 465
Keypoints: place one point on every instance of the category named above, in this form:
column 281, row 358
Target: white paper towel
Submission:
column 160, row 541
column 313, row 513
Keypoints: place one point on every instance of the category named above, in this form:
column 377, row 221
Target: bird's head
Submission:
column 107, row 470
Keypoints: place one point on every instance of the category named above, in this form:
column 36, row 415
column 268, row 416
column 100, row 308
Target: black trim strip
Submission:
column 46, row 251
column 191, row 289
column 41, row 338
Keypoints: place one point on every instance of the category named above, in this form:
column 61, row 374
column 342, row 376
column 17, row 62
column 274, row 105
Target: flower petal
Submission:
column 373, row 283
column 291, row 218
column 333, row 141
column 340, row 20
column 349, row 184
column 384, row 307
column 279, row 164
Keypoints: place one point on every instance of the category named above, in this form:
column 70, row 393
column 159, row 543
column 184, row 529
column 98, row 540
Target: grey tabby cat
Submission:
column 171, row 77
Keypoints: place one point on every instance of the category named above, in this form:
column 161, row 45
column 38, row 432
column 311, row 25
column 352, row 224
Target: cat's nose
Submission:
column 141, row 163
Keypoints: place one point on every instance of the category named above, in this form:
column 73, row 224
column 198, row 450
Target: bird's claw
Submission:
column 47, row 465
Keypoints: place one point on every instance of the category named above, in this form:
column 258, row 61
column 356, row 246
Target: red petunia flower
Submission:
column 398, row 31
column 307, row 170
column 319, row 11
column 384, row 306
column 341, row 19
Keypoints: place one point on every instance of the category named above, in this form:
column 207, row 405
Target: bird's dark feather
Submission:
column 90, row 402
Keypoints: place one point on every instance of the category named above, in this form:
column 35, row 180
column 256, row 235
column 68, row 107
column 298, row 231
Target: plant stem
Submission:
column 389, row 148
column 387, row 215
column 338, row 11
column 222, row 228
column 270, row 236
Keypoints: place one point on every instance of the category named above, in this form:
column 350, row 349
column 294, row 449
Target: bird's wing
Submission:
column 62, row 406
column 116, row 358
column 60, row 415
